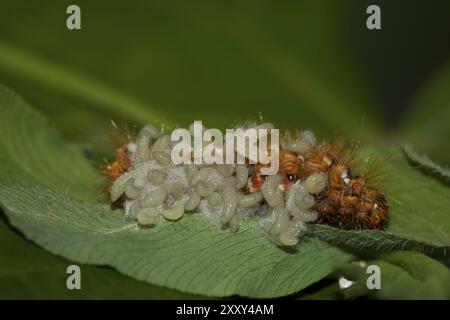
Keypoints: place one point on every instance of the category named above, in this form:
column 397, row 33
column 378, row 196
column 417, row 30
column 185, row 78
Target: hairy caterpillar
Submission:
column 314, row 184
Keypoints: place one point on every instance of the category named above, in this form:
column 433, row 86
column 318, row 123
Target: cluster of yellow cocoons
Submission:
column 154, row 188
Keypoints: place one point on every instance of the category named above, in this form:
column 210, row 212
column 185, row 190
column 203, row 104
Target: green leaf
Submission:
column 404, row 275
column 426, row 163
column 190, row 255
column 32, row 152
column 375, row 240
column 29, row 272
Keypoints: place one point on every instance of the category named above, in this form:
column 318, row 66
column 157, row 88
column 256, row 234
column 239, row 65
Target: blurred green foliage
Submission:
column 215, row 61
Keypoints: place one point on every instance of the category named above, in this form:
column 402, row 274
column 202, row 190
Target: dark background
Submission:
column 413, row 43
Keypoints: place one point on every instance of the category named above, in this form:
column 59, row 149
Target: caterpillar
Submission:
column 314, row 184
